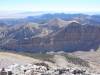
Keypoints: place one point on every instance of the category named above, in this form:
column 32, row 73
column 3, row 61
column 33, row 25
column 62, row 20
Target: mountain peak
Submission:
column 56, row 22
column 31, row 25
column 73, row 23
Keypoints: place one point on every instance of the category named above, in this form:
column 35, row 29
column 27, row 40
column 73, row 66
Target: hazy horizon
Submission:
column 24, row 14
column 13, row 8
column 50, row 5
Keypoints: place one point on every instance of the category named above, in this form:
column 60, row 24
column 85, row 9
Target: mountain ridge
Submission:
column 54, row 34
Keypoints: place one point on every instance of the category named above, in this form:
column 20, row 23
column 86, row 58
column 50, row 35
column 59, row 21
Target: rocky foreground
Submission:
column 43, row 69
column 13, row 64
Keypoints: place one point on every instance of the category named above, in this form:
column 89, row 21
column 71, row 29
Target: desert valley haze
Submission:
column 49, row 37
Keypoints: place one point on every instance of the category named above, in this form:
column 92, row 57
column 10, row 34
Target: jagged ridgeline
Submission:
column 51, row 32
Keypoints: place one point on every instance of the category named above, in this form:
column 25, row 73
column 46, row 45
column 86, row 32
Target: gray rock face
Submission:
column 77, row 37
column 69, row 37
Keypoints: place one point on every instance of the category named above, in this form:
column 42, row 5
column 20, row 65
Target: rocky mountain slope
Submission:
column 59, row 32
column 24, row 65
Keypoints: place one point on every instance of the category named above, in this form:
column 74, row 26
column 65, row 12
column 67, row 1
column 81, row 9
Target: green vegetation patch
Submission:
column 76, row 60
column 44, row 57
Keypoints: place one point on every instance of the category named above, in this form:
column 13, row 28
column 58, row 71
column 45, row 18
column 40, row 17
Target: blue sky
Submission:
column 50, row 5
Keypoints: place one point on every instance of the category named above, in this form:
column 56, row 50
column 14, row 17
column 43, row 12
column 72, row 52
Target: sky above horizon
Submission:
column 50, row 5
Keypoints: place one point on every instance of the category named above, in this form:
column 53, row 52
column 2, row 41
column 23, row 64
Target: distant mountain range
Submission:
column 18, row 14
column 51, row 32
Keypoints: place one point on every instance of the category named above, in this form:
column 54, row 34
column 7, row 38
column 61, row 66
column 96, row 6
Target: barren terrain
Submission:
column 7, row 59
